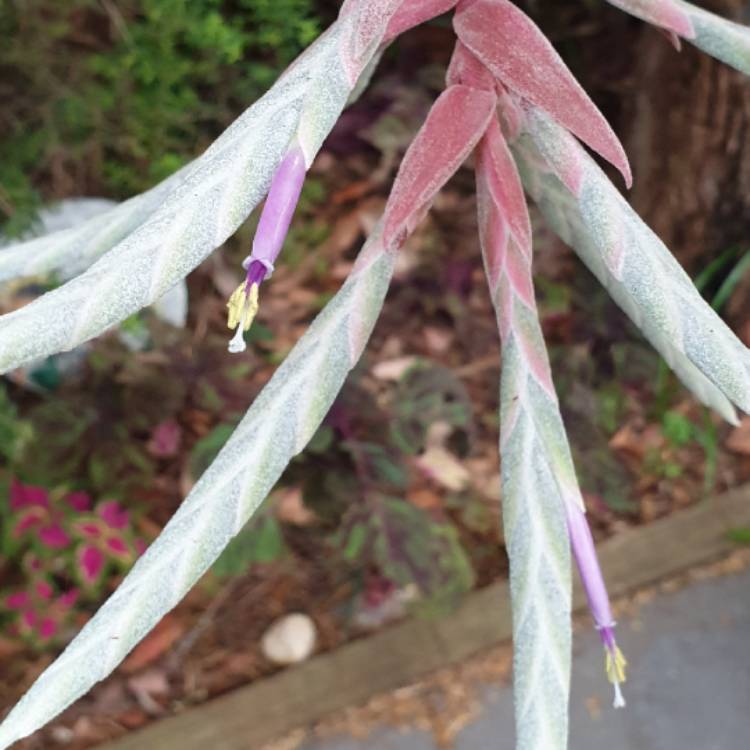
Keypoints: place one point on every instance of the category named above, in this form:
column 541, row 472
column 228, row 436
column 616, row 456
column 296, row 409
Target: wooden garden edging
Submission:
column 300, row 695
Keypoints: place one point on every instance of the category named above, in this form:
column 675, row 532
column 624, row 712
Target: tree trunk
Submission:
column 688, row 138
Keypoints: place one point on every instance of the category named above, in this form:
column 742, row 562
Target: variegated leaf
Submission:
column 666, row 14
column 538, row 477
column 278, row 425
column 175, row 226
column 723, row 39
column 590, row 215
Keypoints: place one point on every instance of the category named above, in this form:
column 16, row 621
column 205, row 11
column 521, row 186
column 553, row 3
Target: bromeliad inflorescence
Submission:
column 510, row 95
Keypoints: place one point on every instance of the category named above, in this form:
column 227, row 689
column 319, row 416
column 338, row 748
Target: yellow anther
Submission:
column 616, row 664
column 242, row 307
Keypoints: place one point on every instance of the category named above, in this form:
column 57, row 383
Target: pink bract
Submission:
column 510, row 44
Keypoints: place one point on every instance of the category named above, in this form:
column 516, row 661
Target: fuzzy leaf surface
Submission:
column 514, row 49
column 642, row 276
column 278, row 425
column 725, row 40
column 538, row 477
column 207, row 200
column 666, row 14
column 453, row 127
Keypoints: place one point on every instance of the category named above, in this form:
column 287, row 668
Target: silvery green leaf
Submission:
column 590, row 215
column 203, row 204
column 172, row 306
column 538, row 477
column 537, row 543
column 725, row 40
column 69, row 250
column 278, row 425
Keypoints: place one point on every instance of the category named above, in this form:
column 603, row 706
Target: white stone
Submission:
column 289, row 640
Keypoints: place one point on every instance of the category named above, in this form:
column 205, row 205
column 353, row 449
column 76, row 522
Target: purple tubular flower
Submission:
column 596, row 592
column 269, row 238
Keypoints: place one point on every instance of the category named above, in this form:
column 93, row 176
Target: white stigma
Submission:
column 619, row 701
column 237, row 344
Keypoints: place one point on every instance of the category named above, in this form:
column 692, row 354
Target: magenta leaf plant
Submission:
column 512, row 102
column 68, row 553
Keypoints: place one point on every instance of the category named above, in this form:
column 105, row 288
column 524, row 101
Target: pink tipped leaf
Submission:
column 453, row 127
column 415, row 12
column 666, row 14
column 508, row 42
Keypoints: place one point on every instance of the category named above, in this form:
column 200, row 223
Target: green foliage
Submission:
column 427, row 394
column 109, row 98
column 261, row 541
column 740, row 535
column 409, row 546
column 15, row 433
column 720, row 277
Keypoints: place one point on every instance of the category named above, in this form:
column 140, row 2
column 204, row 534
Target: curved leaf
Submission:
column 725, row 40
column 208, row 200
column 73, row 250
column 634, row 265
column 666, row 14
column 278, row 425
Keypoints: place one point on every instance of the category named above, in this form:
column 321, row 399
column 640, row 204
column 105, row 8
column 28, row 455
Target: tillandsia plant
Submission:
column 510, row 97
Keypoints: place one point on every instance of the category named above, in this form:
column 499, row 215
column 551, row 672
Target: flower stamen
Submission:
column 242, row 308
